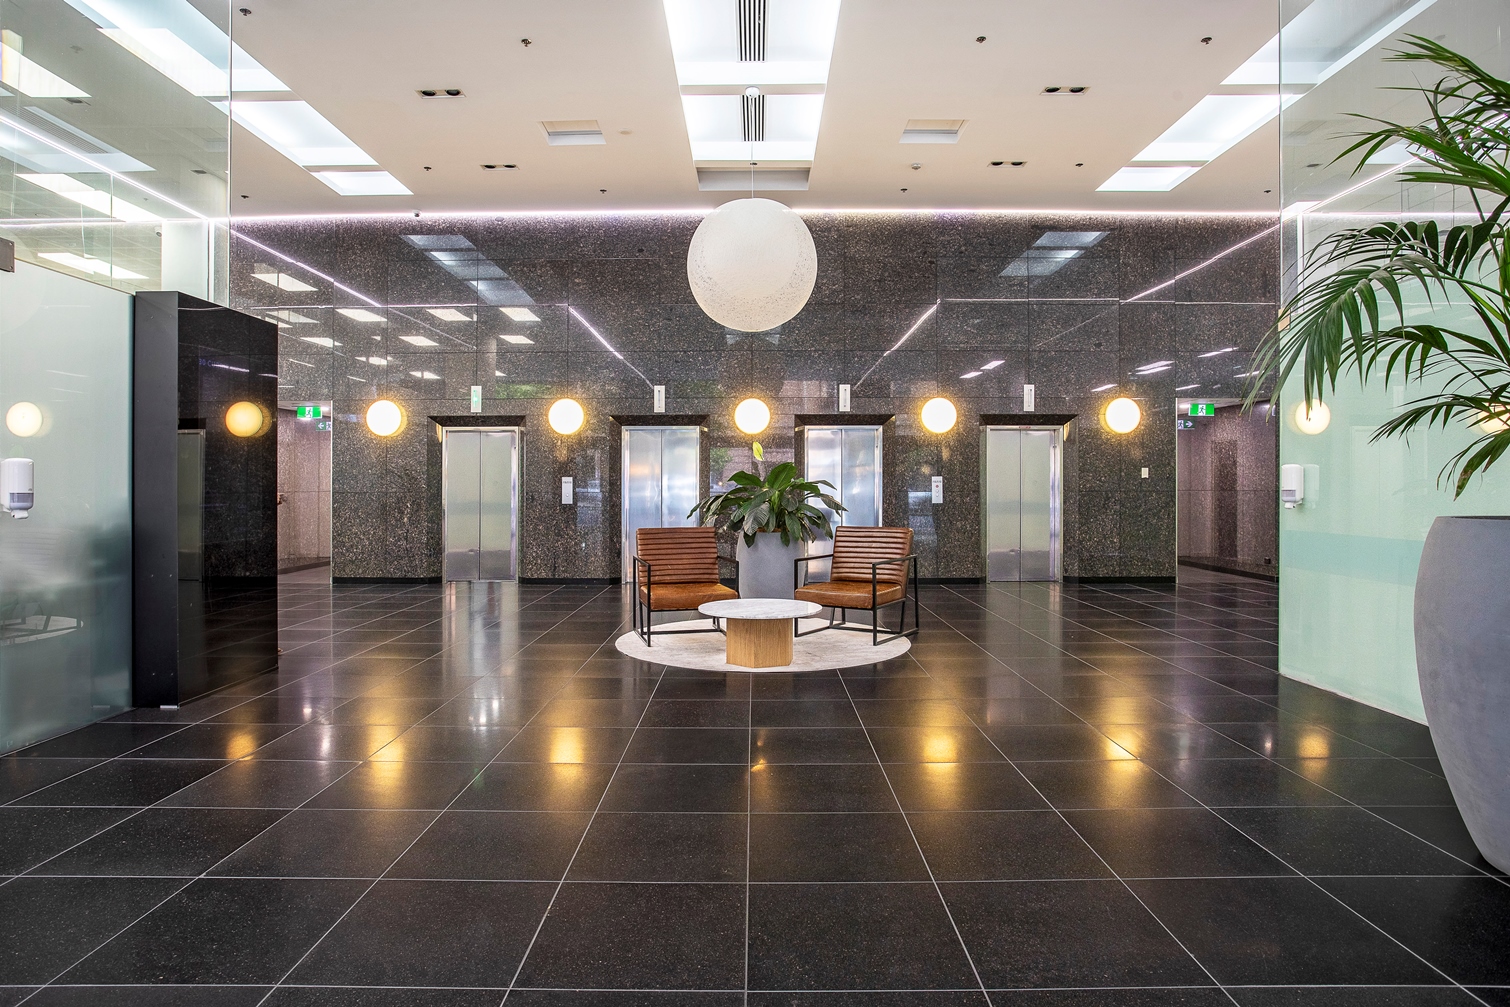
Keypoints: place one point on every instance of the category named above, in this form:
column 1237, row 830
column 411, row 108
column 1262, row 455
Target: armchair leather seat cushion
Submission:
column 849, row 593
column 681, row 597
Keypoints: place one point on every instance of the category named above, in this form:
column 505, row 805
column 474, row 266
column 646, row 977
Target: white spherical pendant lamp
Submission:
column 752, row 264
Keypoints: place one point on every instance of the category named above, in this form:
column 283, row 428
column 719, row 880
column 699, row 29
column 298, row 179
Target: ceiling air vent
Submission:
column 440, row 92
column 932, row 130
column 752, row 31
column 738, row 179
column 572, row 132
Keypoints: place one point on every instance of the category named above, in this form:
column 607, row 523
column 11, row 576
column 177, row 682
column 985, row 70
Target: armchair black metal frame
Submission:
column 875, row 613
column 642, row 612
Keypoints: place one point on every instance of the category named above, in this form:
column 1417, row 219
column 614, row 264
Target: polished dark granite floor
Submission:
column 1080, row 796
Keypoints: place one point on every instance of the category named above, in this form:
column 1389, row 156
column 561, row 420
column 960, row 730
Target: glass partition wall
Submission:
column 1349, row 552
column 114, row 139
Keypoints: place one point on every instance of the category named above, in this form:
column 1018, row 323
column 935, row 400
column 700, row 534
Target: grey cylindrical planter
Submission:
column 1462, row 618
column 765, row 569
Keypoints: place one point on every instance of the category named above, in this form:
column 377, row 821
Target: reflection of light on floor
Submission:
column 1125, row 737
column 566, row 745
column 942, row 782
column 240, row 744
column 940, row 748
column 388, row 775
column 1315, row 745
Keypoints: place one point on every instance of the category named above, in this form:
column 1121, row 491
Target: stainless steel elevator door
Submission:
column 850, row 459
column 480, row 476
column 1021, row 485
column 660, row 482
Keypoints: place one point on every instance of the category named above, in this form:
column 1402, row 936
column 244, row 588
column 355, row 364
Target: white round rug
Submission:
column 835, row 648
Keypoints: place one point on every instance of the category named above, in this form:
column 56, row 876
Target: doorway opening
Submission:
column 480, row 503
column 304, row 482
column 1022, row 503
column 1227, row 487
column 660, row 483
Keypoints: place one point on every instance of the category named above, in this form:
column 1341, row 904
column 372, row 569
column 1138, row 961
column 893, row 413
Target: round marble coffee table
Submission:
column 760, row 629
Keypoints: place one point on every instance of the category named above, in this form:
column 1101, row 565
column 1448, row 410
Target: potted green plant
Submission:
column 1350, row 316
column 775, row 517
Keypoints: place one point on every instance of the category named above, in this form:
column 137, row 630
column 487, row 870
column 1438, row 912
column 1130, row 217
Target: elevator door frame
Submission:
column 838, row 491
column 1056, row 501
column 626, row 537
column 515, row 477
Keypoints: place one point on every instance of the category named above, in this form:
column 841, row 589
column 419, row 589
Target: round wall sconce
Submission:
column 1122, row 415
column 752, row 416
column 938, row 416
column 566, row 416
column 385, row 418
column 246, row 419
column 1312, row 420
column 23, row 419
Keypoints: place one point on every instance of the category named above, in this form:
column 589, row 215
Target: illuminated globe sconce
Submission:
column 1312, row 419
column 752, row 416
column 1122, row 415
column 566, row 416
column 385, row 418
column 938, row 416
column 23, row 419
column 246, row 419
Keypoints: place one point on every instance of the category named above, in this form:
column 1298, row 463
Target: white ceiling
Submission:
column 361, row 63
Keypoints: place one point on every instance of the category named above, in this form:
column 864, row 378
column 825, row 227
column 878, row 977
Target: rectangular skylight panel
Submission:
column 518, row 340
column 705, row 43
column 87, row 195
column 360, row 314
column 28, row 76
column 298, row 132
column 1215, row 124
column 363, row 183
column 449, row 315
column 174, row 58
column 801, row 31
column 521, row 314
column 419, row 340
column 1146, row 179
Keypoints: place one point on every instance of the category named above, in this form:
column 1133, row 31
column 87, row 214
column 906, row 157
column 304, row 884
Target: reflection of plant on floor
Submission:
column 1350, row 312
column 777, row 501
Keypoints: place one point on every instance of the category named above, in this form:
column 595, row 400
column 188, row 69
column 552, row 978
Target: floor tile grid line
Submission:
column 1176, row 597
column 1262, row 846
column 749, row 804
column 566, row 872
column 937, row 891
column 376, row 881
column 1094, row 852
column 1324, row 726
column 349, row 608
column 1481, row 871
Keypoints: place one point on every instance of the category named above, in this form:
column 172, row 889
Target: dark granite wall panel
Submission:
column 1228, row 489
column 1071, row 327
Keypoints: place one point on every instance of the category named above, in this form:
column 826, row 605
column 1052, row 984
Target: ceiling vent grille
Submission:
column 932, row 130
column 572, row 132
column 752, row 31
column 754, row 118
column 60, row 130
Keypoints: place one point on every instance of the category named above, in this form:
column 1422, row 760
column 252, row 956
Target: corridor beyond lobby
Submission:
column 1087, row 795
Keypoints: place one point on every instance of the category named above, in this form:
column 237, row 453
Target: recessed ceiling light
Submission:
column 419, row 340
column 440, row 92
column 1061, row 89
column 449, row 315
column 360, row 314
column 500, row 167
column 518, row 340
column 363, row 183
column 521, row 314
column 298, row 132
column 1147, row 179
column 1215, row 124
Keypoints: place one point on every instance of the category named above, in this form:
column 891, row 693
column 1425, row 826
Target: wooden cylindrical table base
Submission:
column 759, row 643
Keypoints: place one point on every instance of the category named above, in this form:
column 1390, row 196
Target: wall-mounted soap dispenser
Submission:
column 1292, row 485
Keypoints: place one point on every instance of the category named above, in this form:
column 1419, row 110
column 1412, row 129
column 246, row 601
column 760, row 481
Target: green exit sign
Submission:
column 1203, row 409
column 314, row 413
column 323, row 426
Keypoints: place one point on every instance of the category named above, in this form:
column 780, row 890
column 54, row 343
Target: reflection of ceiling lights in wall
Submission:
column 993, row 365
column 972, row 374
column 89, row 264
column 426, row 375
column 1103, row 388
column 518, row 340
column 1318, row 42
column 419, row 340
column 449, row 315
column 360, row 314
column 28, row 76
column 375, row 361
column 1052, row 251
column 324, row 341
column 752, row 76
column 521, row 314
column 1155, row 367
column 87, row 195
column 1217, row 353
column 285, row 317
column 1186, row 388
column 281, row 280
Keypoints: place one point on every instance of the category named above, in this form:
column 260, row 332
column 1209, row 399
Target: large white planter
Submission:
column 765, row 569
column 1462, row 621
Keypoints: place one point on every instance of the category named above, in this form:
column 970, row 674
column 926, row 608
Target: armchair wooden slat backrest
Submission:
column 856, row 548
column 679, row 555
